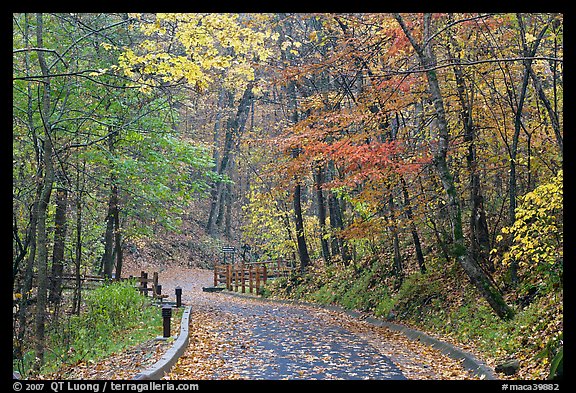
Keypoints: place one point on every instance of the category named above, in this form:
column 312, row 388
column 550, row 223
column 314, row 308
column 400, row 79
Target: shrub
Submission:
column 116, row 316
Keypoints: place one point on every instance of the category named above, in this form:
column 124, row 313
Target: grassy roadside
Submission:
column 115, row 317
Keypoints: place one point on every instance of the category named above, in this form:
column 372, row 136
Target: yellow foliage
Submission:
column 206, row 45
column 537, row 233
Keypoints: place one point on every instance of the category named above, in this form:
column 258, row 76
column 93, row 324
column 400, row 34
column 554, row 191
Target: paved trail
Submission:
column 241, row 338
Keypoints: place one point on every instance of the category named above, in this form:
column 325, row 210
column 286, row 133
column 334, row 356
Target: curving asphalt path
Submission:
column 257, row 339
column 290, row 342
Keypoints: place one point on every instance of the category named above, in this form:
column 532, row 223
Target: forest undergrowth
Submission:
column 114, row 318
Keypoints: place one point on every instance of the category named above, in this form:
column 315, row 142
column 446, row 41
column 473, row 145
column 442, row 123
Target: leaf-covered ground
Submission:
column 242, row 338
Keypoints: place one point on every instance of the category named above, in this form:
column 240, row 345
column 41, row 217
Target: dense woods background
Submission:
column 408, row 164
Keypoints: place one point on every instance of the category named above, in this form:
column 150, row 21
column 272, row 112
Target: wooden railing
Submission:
column 143, row 281
column 68, row 282
column 252, row 276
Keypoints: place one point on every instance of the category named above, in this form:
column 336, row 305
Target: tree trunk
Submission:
column 234, row 131
column 479, row 233
column 338, row 245
column 108, row 257
column 117, row 236
column 512, row 180
column 77, row 300
column 27, row 282
column 228, row 213
column 47, row 181
column 413, row 230
column 318, row 181
column 398, row 268
column 477, row 276
column 60, row 227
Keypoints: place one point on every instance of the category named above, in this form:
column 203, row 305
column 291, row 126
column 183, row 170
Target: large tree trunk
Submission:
column 475, row 273
column 47, row 181
column 32, row 229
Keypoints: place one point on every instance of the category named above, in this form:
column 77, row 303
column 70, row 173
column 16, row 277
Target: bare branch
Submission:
column 470, row 63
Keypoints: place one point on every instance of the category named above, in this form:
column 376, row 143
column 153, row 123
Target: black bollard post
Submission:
column 159, row 292
column 166, row 315
column 178, row 297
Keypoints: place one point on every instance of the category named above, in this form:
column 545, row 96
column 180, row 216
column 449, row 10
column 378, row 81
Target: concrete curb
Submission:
column 469, row 361
column 165, row 363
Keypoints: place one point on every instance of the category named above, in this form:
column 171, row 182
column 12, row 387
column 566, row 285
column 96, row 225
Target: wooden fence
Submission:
column 143, row 281
column 92, row 281
column 252, row 276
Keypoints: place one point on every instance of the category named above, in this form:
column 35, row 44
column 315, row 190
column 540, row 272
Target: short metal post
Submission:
column 178, row 291
column 166, row 316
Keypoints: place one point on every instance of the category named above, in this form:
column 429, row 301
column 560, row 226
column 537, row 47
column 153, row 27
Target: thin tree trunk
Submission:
column 512, row 180
column 60, row 227
column 117, row 236
column 477, row 276
column 413, row 230
column 228, row 213
column 299, row 222
column 552, row 114
column 398, row 267
column 77, row 300
column 318, row 181
column 108, row 256
column 234, row 131
column 338, row 245
column 479, row 233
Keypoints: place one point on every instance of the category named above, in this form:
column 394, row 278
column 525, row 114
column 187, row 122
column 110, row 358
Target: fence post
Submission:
column 144, row 282
column 215, row 275
column 257, row 280
column 154, row 283
column 242, row 278
column 235, row 273
column 250, row 275
column 228, row 278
